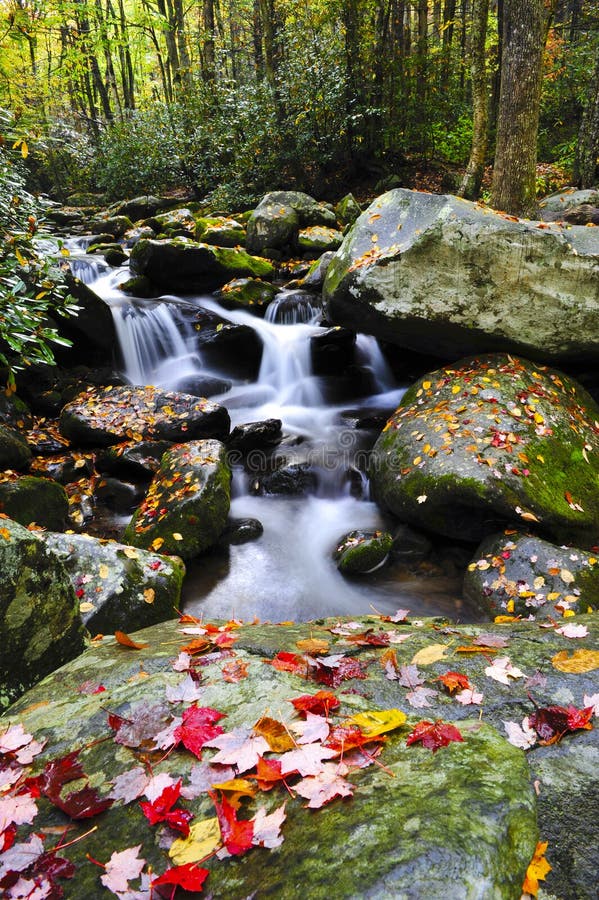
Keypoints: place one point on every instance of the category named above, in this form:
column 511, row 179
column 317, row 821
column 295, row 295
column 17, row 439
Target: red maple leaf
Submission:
column 161, row 810
column 342, row 670
column 190, row 877
column 551, row 723
column 434, row 734
column 290, row 662
column 320, row 703
column 348, row 737
column 82, row 804
column 198, row 727
column 370, row 637
column 454, row 682
column 268, row 773
column 237, row 835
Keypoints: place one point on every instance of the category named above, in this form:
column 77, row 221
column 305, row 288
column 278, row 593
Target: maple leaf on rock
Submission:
column 203, row 777
column 307, row 760
column 190, row 877
column 121, row 868
column 502, row 670
column 551, row 723
column 198, row 728
column 313, row 728
column 237, row 834
column 454, row 681
column 522, row 736
column 409, row 676
column 537, row 871
column 267, row 828
column 320, row 703
column 469, row 697
column 592, row 701
column 17, row 810
column 161, row 810
column 334, row 670
column 434, row 735
column 141, row 723
column 129, row 785
column 21, row 856
column 268, row 773
column 348, row 737
column 157, row 784
column 240, row 748
column 187, row 691
column 420, row 697
column 324, row 786
column 82, row 804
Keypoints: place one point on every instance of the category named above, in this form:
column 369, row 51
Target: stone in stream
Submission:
column 140, row 207
column 117, row 495
column 313, row 280
column 295, row 479
column 204, row 385
column 347, row 210
column 184, row 265
column 361, row 552
column 227, row 345
column 251, row 294
column 40, row 626
column 444, row 276
column 490, row 441
column 462, row 822
column 106, row 416
column 220, row 231
column 185, row 510
column 14, row 450
column 132, row 459
column 28, row 499
column 255, row 435
column 92, row 329
column 293, row 307
column 241, row 531
column 64, row 468
column 522, row 575
column 114, row 225
column 318, row 239
column 118, row 587
column 332, row 350
column 276, row 221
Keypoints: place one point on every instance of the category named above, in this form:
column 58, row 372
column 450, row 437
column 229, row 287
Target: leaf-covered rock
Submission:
column 362, row 551
column 278, row 217
column 251, row 294
column 318, row 239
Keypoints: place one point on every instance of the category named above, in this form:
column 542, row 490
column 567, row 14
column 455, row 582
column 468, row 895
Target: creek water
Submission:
column 288, row 573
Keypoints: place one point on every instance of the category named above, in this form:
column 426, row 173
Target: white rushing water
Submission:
column 288, row 573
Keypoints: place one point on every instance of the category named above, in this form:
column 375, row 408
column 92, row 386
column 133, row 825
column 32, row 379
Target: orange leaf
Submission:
column 126, row 641
column 537, row 871
column 275, row 733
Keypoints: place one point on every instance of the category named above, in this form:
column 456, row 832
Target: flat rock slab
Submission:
column 444, row 276
column 105, row 416
column 490, row 440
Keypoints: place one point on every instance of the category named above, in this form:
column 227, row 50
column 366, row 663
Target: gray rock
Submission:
column 313, row 280
column 361, row 552
column 347, row 210
column 278, row 217
column 318, row 239
column 572, row 206
column 114, row 225
column 132, row 459
column 141, row 207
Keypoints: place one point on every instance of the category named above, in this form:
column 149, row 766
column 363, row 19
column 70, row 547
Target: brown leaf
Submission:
column 126, row 641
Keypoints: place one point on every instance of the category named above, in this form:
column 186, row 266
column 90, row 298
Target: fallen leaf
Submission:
column 189, row 877
column 149, row 595
column 240, row 748
column 573, row 631
column 419, row 698
column 307, row 760
column 267, row 828
column 454, row 682
column 198, row 728
column 537, row 871
column 469, row 697
column 237, row 834
column 432, row 653
column 203, row 839
column 502, row 670
column 324, row 786
column 522, row 736
column 375, row 722
column 313, row 646
column 313, row 728
column 320, row 703
column 275, row 733
column 126, row 641
column 551, row 723
column 122, row 868
column 581, row 661
column 434, row 735
column 161, row 810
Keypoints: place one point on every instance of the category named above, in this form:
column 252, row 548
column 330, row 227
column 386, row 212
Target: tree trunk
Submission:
column 257, row 40
column 524, row 33
column 587, row 149
column 448, row 27
column 207, row 53
column 473, row 176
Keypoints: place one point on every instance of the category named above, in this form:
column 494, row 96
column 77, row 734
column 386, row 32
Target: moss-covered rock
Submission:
column 220, row 231
column 360, row 552
column 492, row 440
column 441, row 275
column 251, row 294
column 40, row 626
column 110, row 415
column 139, row 286
column 114, row 225
column 271, row 226
column 523, row 575
column 318, row 239
column 459, row 823
column 347, row 210
column 14, row 450
column 189, row 266
column 141, row 207
column 118, row 587
column 175, row 222
column 186, row 507
column 313, row 280
column 28, row 499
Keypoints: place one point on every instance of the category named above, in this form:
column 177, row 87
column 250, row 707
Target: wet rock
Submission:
column 28, row 499
column 223, row 343
column 278, row 217
column 92, row 329
column 14, row 450
column 108, row 416
column 318, row 239
column 251, row 294
column 292, row 307
column 141, row 207
column 410, row 545
column 14, row 412
column 333, row 350
column 572, row 206
column 136, row 234
column 241, row 531
column 139, row 286
column 255, row 435
column 432, row 273
column 295, row 479
column 85, row 198
column 367, row 419
column 65, row 218
column 361, row 552
column 489, row 441
column 204, row 385
column 115, row 257
column 313, row 280
column 114, row 225
column 118, row 587
column 347, row 210
column 120, row 496
column 522, row 575
column 65, row 468
column 188, row 266
column 176, row 222
column 132, row 459
column 40, row 626
column 186, row 507
column 220, row 231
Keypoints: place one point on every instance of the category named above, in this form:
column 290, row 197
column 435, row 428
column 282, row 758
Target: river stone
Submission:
column 14, row 412
column 444, row 276
column 318, row 239
column 571, row 205
column 227, row 345
column 294, row 480
column 65, row 468
column 222, row 232
column 204, row 385
column 489, row 441
column 132, row 459
column 189, row 266
column 459, row 823
column 40, row 626
column 117, row 495
column 175, row 222
column 313, row 280
column 140, row 207
column 118, row 587
column 29, row 499
column 14, row 450
column 255, row 435
column 293, row 307
column 114, row 225
column 360, row 552
column 347, row 210
column 525, row 576
column 251, row 294
column 278, row 217
column 187, row 504
column 106, row 416
column 93, row 326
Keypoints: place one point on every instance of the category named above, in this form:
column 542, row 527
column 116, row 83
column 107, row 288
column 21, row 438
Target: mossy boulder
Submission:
column 118, row 587
column 185, row 510
column 14, row 450
column 522, row 575
column 318, row 239
column 28, row 499
column 114, row 225
column 461, row 822
column 360, row 552
column 275, row 222
column 105, row 416
column 347, row 210
column 14, row 412
column 489, row 441
column 40, row 626
column 251, row 294
column 314, row 278
column 443, row 276
column 190, row 266
column 220, row 231
column 141, row 207
column 175, row 222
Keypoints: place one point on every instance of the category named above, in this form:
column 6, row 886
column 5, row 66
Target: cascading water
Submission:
column 289, row 572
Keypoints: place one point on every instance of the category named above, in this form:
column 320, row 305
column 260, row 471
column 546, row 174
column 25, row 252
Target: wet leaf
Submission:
column 237, row 834
column 454, row 682
column 189, row 877
column 581, row 661
column 161, row 810
column 240, row 748
column 122, row 868
column 537, row 871
column 126, row 641
column 203, row 839
column 320, row 703
column 434, row 735
column 267, row 828
column 432, row 653
column 198, row 728
column 375, row 722
column 324, row 786
column 551, row 723
column 275, row 733
column 313, row 646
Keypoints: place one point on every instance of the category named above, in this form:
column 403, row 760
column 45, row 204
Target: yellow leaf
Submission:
column 5, row 533
column 566, row 576
column 86, row 606
column 238, row 786
column 131, row 553
column 511, row 606
column 430, row 654
column 456, row 389
column 20, row 257
column 177, row 536
column 374, row 238
column 276, row 735
column 537, row 871
column 157, row 543
column 502, row 620
column 204, row 837
column 426, row 385
column 103, row 570
column 64, row 251
column 582, row 660
column 378, row 721
column 149, row 595
column 24, row 150
column 313, row 646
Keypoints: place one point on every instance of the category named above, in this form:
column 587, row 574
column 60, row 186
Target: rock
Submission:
column 65, row 218
column 251, row 294
column 114, row 225
column 292, row 307
column 489, row 441
column 118, row 587
column 101, row 417
column 458, row 823
column 313, row 280
column 222, row 232
column 241, row 531
column 522, row 575
column 139, row 286
column 14, row 412
column 189, row 266
column 173, row 223
column 85, row 198
column 278, row 217
column 115, row 257
column 14, row 450
column 295, row 479
column 65, row 468
column 347, row 210
column 410, row 545
column 318, row 239
column 136, row 234
column 361, row 552
column 309, row 211
column 132, row 459
column 226, row 344
column 40, row 626
column 141, row 207
column 332, row 350
column 186, row 507
column 92, row 329
column 120, row 496
column 572, row 206
column 255, row 435
column 444, row 276
column 28, row 499
column 204, row 385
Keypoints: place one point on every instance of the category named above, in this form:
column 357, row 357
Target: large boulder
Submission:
column 101, row 417
column 275, row 222
column 318, row 239
column 140, row 207
column 118, row 587
column 461, row 822
column 492, row 440
column 226, row 345
column 251, row 294
column 14, row 450
column 28, row 499
column 447, row 277
column 189, row 266
column 185, row 510
column 220, row 231
column 92, row 330
column 572, row 206
column 40, row 626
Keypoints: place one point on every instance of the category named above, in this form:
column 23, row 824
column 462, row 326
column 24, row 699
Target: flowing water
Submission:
column 288, row 573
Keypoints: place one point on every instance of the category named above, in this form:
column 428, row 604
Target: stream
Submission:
column 288, row 573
